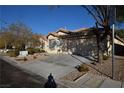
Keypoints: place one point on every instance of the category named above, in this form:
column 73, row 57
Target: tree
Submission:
column 120, row 13
column 6, row 38
column 17, row 35
column 35, row 41
column 104, row 16
column 120, row 33
column 21, row 33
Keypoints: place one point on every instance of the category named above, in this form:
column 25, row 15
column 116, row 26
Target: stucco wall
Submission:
column 56, row 49
column 116, row 41
column 61, row 33
column 84, row 47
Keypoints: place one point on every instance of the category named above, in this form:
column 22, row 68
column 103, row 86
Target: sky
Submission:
column 45, row 19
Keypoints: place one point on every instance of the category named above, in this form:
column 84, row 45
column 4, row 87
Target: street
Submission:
column 13, row 77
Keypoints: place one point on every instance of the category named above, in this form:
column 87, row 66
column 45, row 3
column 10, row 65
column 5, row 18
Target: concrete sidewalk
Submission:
column 93, row 81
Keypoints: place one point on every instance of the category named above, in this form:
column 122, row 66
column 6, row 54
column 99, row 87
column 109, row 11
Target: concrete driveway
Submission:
column 44, row 69
column 66, row 60
column 58, row 65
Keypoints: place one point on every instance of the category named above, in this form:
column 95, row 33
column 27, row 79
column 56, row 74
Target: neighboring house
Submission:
column 44, row 42
column 39, row 41
column 119, row 46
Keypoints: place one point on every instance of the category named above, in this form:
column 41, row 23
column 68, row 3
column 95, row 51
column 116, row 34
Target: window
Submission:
column 52, row 43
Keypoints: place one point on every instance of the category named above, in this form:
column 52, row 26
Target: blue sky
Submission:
column 44, row 19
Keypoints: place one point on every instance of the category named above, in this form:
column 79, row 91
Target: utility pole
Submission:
column 113, row 28
column 113, row 47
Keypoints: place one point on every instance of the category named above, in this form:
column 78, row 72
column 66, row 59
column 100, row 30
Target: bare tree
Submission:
column 22, row 35
column 104, row 17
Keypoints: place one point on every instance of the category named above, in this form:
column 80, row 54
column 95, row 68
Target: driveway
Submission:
column 44, row 69
column 66, row 60
column 58, row 65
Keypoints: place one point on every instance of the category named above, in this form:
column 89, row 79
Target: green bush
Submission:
column 83, row 67
column 13, row 53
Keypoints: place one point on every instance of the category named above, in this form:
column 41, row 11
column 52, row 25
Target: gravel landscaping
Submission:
column 73, row 76
column 105, row 68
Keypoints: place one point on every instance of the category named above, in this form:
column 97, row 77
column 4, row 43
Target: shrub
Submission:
column 83, row 67
column 30, row 50
column 42, row 51
column 34, row 57
column 36, row 50
column 25, row 59
column 13, row 53
column 16, row 51
column 105, row 57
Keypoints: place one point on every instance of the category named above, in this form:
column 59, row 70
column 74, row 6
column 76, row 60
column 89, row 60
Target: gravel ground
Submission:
column 105, row 68
column 73, row 76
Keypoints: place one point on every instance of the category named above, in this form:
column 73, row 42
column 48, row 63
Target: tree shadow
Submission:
column 92, row 67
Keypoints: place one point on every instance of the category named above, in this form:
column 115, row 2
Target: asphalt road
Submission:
column 12, row 77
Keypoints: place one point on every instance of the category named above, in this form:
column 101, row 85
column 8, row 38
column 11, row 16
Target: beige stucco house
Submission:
column 75, row 45
column 42, row 42
column 81, row 42
column 55, row 43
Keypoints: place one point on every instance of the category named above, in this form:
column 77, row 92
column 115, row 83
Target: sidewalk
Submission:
column 93, row 81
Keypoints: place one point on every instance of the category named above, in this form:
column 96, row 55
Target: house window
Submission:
column 52, row 43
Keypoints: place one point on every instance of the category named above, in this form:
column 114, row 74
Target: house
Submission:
column 55, row 43
column 38, row 41
column 119, row 46
column 44, row 42
column 80, row 42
